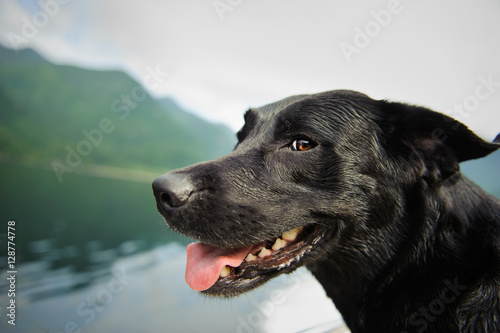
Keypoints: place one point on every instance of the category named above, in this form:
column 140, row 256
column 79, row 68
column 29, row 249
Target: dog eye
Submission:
column 302, row 145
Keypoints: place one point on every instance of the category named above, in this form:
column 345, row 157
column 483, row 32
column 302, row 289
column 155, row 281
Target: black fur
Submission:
column 408, row 243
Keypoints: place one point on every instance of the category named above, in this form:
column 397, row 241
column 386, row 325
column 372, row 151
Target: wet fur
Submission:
column 411, row 244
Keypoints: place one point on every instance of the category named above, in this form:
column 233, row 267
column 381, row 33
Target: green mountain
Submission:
column 75, row 116
column 79, row 149
column 485, row 172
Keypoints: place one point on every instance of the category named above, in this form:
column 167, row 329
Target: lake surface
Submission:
column 146, row 292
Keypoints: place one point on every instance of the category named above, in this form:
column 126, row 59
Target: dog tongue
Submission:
column 204, row 263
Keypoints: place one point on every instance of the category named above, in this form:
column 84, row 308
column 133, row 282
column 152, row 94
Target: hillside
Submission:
column 48, row 111
column 485, row 172
column 79, row 149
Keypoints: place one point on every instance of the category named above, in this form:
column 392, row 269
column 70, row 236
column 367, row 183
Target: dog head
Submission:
column 312, row 178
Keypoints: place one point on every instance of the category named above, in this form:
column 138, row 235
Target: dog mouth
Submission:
column 231, row 271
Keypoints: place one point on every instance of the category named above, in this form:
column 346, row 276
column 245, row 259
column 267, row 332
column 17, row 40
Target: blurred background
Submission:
column 98, row 98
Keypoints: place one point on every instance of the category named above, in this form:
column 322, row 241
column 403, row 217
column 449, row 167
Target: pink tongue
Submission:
column 204, row 263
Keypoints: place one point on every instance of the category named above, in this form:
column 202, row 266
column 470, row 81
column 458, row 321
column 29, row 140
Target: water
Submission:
column 146, row 292
column 93, row 255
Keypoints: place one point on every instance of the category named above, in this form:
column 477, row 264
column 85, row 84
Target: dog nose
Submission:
column 172, row 190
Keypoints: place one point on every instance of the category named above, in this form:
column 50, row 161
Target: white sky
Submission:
column 431, row 53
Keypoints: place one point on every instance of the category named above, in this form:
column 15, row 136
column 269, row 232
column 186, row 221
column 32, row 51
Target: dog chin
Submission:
column 268, row 259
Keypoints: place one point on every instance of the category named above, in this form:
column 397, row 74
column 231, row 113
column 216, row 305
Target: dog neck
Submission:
column 439, row 233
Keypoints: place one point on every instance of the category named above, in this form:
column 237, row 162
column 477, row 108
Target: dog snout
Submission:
column 172, row 190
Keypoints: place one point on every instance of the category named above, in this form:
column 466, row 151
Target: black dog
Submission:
column 367, row 194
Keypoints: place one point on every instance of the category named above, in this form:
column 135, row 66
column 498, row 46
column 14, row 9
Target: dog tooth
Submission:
column 290, row 235
column 279, row 244
column 225, row 271
column 264, row 253
column 250, row 257
column 256, row 252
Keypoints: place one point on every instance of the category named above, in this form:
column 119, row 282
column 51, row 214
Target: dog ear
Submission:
column 434, row 139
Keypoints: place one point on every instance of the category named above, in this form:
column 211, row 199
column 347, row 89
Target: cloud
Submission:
column 423, row 52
